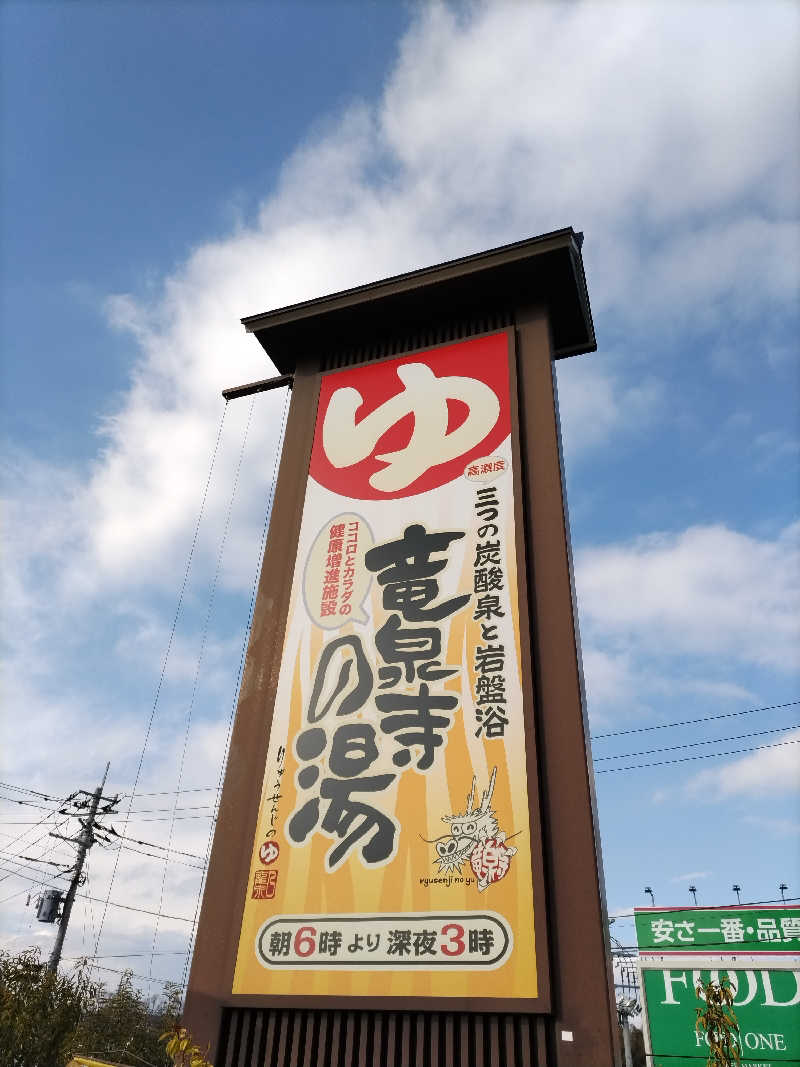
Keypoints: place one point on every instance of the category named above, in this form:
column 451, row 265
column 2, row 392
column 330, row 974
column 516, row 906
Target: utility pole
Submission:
column 627, row 1007
column 627, row 1003
column 626, row 1038
column 84, row 841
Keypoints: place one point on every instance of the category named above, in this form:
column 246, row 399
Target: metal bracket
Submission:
column 258, row 387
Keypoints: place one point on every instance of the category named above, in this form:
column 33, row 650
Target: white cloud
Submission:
column 611, row 681
column 138, row 878
column 709, row 590
column 633, row 137
column 692, row 876
column 625, row 911
column 664, row 131
column 775, row 447
column 766, row 771
column 145, row 635
column 777, row 826
column 717, row 690
column 627, row 685
column 595, row 404
column 470, row 145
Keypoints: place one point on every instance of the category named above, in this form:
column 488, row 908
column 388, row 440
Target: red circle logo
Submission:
column 406, row 426
column 269, row 852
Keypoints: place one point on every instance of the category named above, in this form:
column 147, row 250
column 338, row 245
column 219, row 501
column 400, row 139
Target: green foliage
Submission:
column 123, row 1026
column 46, row 1019
column 717, row 1022
column 182, row 1050
column 39, row 1010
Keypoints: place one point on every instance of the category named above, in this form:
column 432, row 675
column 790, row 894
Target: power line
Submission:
column 159, row 687
column 201, row 654
column 675, row 948
column 167, row 859
column 122, row 796
column 705, row 755
column 597, row 759
column 84, row 842
column 88, row 905
column 80, row 808
column 17, row 862
column 695, row 744
column 239, row 675
column 28, row 866
column 130, row 907
column 171, row 792
column 44, row 796
column 26, row 870
column 24, row 832
column 59, row 823
column 11, row 896
column 190, row 807
column 28, row 804
column 116, row 970
column 692, row 722
column 20, row 870
column 33, row 859
column 168, row 818
column 602, row 770
column 127, row 955
column 31, row 822
column 594, row 737
column 711, row 907
column 152, row 844
column 97, row 900
column 31, row 875
column 4, row 849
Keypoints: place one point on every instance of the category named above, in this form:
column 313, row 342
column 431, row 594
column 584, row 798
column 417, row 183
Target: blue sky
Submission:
column 170, row 168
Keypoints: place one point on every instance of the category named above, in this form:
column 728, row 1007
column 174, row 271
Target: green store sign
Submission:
column 718, row 930
column 767, row 1006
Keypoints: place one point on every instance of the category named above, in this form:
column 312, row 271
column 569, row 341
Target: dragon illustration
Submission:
column 475, row 836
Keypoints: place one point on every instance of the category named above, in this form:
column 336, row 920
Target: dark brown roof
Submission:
column 547, row 269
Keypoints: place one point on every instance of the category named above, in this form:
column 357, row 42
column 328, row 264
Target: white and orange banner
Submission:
column 393, row 851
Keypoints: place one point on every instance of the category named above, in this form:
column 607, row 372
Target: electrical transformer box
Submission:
column 47, row 911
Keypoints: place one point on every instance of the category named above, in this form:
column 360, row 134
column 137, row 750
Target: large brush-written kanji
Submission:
column 393, row 852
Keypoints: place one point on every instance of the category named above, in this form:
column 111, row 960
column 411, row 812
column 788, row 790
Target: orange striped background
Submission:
column 419, row 801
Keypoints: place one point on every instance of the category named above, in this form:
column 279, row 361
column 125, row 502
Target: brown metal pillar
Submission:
column 573, row 1021
column 226, row 886
column 580, row 955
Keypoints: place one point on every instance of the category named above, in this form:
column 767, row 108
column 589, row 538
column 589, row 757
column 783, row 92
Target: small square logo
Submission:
column 264, row 883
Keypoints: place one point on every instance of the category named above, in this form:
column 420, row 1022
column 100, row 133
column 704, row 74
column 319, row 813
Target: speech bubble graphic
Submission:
column 336, row 581
column 486, row 470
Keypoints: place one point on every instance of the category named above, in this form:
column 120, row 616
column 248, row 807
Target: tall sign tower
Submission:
column 406, row 866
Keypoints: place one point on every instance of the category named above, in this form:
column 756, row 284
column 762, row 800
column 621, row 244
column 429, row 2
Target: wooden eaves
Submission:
column 549, row 266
